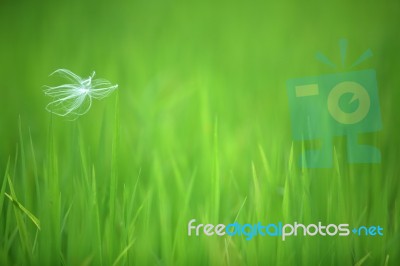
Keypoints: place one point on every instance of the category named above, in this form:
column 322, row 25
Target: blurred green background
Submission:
column 199, row 129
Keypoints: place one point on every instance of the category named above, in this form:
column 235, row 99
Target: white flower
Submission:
column 75, row 98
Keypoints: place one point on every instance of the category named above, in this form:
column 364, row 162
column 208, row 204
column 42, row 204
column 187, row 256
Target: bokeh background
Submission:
column 199, row 128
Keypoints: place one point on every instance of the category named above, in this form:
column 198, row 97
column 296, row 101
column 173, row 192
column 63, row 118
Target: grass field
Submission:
column 198, row 129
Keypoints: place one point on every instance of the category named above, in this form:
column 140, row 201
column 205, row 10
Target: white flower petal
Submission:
column 75, row 99
column 100, row 93
column 65, row 73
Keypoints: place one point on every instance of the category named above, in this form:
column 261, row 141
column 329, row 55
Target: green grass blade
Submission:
column 364, row 259
column 14, row 200
column 123, row 253
column 3, row 187
column 20, row 222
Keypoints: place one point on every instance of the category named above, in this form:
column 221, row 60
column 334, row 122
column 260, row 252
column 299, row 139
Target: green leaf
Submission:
column 13, row 199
